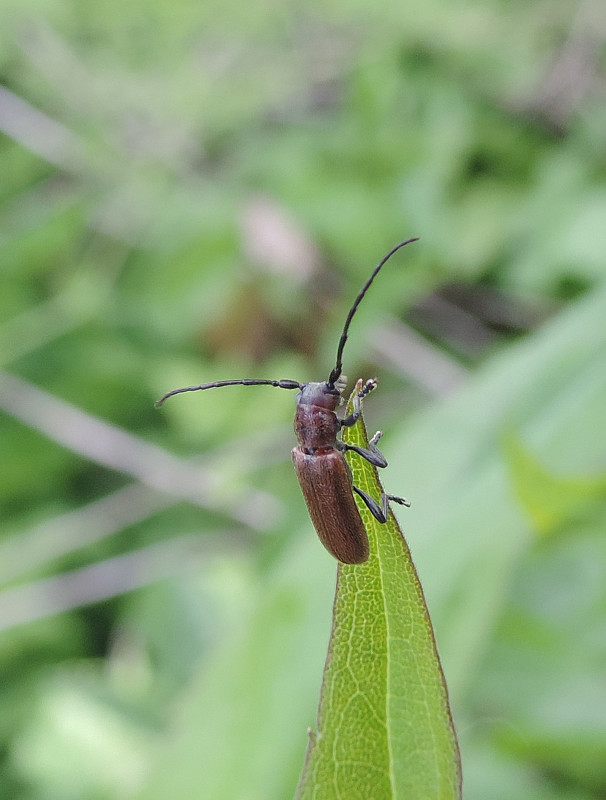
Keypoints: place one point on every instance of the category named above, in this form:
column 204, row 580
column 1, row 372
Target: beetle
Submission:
column 324, row 475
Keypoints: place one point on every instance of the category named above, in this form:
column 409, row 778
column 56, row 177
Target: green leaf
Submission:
column 384, row 723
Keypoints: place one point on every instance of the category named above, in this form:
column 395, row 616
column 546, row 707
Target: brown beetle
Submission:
column 323, row 473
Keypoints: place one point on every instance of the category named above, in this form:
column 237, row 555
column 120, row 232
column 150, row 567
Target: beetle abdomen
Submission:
column 326, row 486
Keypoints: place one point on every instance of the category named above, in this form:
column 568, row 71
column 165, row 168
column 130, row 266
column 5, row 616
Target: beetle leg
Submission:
column 375, row 509
column 380, row 512
column 368, row 387
column 347, row 422
column 401, row 500
column 372, row 454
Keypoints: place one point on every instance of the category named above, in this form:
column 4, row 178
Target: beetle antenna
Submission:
column 338, row 369
column 246, row 382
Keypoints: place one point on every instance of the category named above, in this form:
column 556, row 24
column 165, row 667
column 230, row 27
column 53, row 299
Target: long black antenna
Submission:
column 336, row 373
column 246, row 382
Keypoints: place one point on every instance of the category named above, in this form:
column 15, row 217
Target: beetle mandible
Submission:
column 323, row 473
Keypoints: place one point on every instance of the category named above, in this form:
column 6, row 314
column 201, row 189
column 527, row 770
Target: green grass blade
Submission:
column 384, row 723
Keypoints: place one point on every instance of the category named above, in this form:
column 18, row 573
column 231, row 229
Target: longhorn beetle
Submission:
column 323, row 473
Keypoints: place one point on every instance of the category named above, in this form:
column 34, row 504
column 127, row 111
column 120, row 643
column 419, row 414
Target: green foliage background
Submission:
column 196, row 191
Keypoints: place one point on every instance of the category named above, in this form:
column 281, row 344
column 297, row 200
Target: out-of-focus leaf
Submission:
column 548, row 499
column 540, row 697
column 467, row 531
column 80, row 741
column 255, row 693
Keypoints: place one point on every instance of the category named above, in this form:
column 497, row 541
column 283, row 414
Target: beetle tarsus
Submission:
column 401, row 500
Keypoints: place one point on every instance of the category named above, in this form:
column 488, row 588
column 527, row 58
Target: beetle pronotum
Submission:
column 323, row 473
